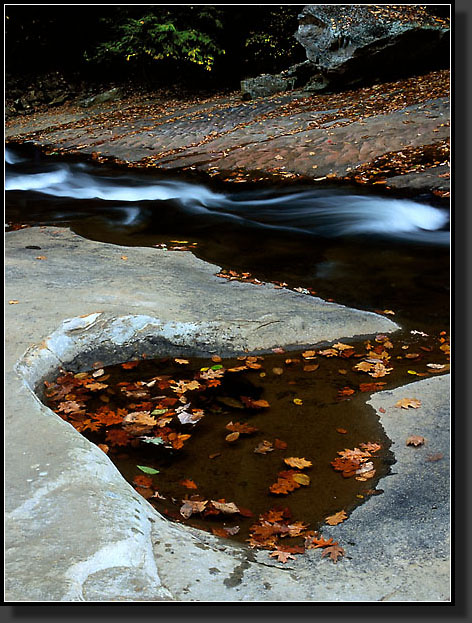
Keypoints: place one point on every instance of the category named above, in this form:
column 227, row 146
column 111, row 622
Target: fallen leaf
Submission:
column 297, row 401
column 232, row 437
column 343, row 431
column 192, row 506
column 415, row 440
column 13, row 302
column 301, row 479
column 406, row 403
column 435, row 457
column 334, row 552
column 129, row 365
column 278, row 371
column 225, row 507
column 181, row 361
column 264, row 447
column 239, row 427
column 311, row 367
column 147, row 470
column 315, row 542
column 338, row 517
column 142, row 481
column 281, row 555
column 279, row 444
column 188, row 483
column 299, row 463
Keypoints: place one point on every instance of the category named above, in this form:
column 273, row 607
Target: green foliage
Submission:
column 157, row 37
column 270, row 45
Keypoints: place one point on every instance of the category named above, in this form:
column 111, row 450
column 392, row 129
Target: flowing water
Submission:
column 360, row 249
column 369, row 251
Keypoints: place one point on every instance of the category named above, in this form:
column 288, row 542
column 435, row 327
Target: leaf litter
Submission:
column 162, row 422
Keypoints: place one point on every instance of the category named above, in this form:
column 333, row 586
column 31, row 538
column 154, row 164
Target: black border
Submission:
column 459, row 608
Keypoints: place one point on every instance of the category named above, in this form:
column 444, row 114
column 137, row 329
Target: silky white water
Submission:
column 321, row 212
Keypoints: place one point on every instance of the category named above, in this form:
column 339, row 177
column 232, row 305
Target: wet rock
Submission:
column 354, row 44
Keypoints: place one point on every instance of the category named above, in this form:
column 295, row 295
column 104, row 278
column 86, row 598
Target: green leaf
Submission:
column 157, row 441
column 218, row 366
column 147, row 470
column 159, row 411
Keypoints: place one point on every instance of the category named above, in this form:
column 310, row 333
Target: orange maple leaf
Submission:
column 188, row 483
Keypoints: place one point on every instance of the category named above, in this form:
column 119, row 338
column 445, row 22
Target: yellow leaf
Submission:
column 298, row 401
column 301, row 479
column 294, row 461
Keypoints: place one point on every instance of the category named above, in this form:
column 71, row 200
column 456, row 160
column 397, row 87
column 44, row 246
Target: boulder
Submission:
column 269, row 84
column 350, row 45
column 107, row 96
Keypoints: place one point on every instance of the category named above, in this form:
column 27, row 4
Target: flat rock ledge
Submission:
column 76, row 531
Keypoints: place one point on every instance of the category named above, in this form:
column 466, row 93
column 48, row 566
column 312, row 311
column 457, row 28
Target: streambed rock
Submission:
column 76, row 531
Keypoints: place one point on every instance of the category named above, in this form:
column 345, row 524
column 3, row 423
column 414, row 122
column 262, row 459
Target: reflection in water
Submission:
column 368, row 251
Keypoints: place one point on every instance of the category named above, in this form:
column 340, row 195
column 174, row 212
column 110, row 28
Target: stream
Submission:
column 365, row 250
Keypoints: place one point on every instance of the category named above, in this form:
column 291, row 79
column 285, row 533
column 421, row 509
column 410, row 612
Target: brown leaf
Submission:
column 242, row 428
column 188, row 483
column 281, row 555
column 338, row 517
column 264, row 447
column 232, row 437
column 415, row 440
column 192, row 506
column 225, row 507
column 435, row 457
column 334, row 552
column 279, row 444
column 311, row 367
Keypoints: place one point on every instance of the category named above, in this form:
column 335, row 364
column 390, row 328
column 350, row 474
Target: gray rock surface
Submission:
column 349, row 44
column 76, row 531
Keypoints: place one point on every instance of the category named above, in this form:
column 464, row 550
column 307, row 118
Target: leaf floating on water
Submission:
column 188, row 483
column 279, row 444
column 297, row 401
column 299, row 463
column 301, row 479
column 192, row 506
column 264, row 447
column 129, row 365
column 147, row 470
column 157, row 441
column 225, row 507
column 232, row 437
column 311, row 367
